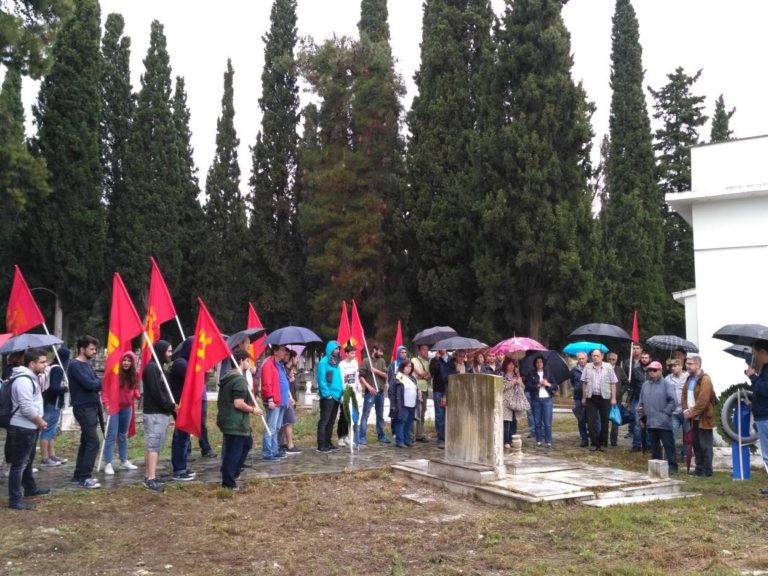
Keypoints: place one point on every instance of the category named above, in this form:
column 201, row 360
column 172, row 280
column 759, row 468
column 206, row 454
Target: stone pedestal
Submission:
column 658, row 469
column 474, row 425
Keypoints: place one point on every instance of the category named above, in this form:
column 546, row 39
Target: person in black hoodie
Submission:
column 181, row 445
column 158, row 408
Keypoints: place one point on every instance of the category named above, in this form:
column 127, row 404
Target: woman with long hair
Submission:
column 119, row 423
column 515, row 401
column 541, row 386
column 406, row 392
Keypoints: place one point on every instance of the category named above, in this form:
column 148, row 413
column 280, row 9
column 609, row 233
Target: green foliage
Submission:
column 277, row 255
column 681, row 116
column 27, row 31
column 225, row 292
column 721, row 131
column 632, row 212
column 68, row 255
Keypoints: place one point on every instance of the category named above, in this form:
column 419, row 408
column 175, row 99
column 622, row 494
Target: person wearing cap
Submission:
column 119, row 422
column 758, row 376
column 677, row 377
column 657, row 403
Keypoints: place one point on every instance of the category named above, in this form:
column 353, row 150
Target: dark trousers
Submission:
column 205, row 445
column 87, row 417
column 510, row 429
column 21, row 450
column 702, row 449
column 659, row 437
column 328, row 409
column 342, row 429
column 180, row 447
column 597, row 407
column 234, row 454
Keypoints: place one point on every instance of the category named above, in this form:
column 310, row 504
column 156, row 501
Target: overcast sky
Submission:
column 725, row 39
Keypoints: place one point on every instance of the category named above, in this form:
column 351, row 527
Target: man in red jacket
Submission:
column 272, row 372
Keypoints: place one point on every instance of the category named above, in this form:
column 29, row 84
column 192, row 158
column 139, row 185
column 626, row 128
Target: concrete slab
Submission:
column 606, row 502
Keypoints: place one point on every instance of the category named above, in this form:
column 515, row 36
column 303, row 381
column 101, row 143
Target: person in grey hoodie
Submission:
column 25, row 425
column 657, row 403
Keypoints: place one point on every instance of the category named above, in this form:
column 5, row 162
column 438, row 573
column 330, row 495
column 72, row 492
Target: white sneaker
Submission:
column 127, row 465
column 342, row 442
column 108, row 470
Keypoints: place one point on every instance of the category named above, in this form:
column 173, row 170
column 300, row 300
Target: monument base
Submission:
column 463, row 471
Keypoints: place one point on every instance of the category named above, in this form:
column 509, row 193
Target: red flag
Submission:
column 398, row 341
column 256, row 347
column 343, row 335
column 208, row 349
column 22, row 313
column 358, row 335
column 124, row 324
column 159, row 309
column 635, row 329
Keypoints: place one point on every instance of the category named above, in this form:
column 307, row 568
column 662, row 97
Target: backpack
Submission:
column 6, row 401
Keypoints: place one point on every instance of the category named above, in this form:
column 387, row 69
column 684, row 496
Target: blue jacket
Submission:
column 760, row 394
column 328, row 374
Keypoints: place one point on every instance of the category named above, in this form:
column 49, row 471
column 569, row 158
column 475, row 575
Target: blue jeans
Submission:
column 678, row 421
column 403, row 427
column 637, row 433
column 181, row 445
column 510, row 429
column 377, row 401
column 583, row 422
column 205, row 445
column 542, row 416
column 762, row 432
column 531, row 417
column 439, row 415
column 269, row 447
column 117, row 430
column 21, row 450
column 234, row 452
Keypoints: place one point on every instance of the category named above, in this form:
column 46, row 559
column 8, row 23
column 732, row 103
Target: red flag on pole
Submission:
column 635, row 329
column 357, row 333
column 343, row 334
column 159, row 309
column 208, row 349
column 22, row 313
column 256, row 347
column 398, row 340
column 124, row 324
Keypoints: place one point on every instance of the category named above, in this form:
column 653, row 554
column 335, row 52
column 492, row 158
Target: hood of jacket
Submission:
column 329, row 348
column 161, row 347
column 397, row 355
column 229, row 377
column 64, row 356
column 184, row 349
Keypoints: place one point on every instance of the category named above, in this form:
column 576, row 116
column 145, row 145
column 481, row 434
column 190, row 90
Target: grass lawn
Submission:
column 359, row 523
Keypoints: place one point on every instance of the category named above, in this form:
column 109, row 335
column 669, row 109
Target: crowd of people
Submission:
column 655, row 402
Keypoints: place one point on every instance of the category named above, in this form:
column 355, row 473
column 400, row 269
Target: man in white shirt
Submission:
column 350, row 376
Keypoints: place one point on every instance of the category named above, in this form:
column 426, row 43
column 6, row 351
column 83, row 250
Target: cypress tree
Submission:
column 681, row 115
column 633, row 209
column 118, row 104
column 150, row 223
column 23, row 177
column 538, row 223
column 377, row 160
column 721, row 131
column 438, row 205
column 276, row 244
column 226, row 293
column 69, row 256
column 194, row 265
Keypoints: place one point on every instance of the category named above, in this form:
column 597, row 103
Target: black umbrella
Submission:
column 669, row 342
column 743, row 352
column 554, row 362
column 251, row 334
column 744, row 334
column 291, row 335
column 458, row 343
column 599, row 332
column 24, row 341
column 432, row 335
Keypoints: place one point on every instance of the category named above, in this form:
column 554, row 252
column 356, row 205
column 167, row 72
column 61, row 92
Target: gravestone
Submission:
column 474, row 424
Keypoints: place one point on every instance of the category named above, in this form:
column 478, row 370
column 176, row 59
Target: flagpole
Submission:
column 103, row 443
column 160, row 365
column 181, row 330
column 56, row 353
column 250, row 393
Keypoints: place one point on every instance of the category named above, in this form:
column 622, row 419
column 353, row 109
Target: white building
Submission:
column 727, row 208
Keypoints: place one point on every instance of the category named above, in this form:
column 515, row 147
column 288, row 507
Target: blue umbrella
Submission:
column 23, row 341
column 291, row 335
column 583, row 346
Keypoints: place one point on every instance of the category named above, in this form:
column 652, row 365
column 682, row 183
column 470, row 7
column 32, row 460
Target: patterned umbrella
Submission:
column 669, row 342
column 516, row 346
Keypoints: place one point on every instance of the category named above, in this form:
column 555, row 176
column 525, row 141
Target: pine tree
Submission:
column 377, row 160
column 538, row 223
column 150, row 223
column 633, row 209
column 23, row 177
column 721, row 131
column 274, row 229
column 439, row 215
column 681, row 116
column 226, row 293
column 118, row 106
column 69, row 255
column 194, row 267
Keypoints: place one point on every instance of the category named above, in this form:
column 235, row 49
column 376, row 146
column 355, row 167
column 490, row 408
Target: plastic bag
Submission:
column 615, row 415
